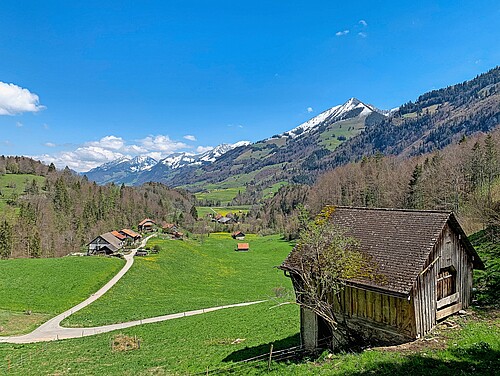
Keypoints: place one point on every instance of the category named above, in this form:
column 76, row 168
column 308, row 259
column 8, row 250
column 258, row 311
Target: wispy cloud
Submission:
column 19, row 124
column 16, row 100
column 362, row 34
column 203, row 149
column 309, row 109
column 363, row 23
column 341, row 33
column 50, row 144
column 190, row 137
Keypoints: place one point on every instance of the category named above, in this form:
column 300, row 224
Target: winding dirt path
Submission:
column 52, row 329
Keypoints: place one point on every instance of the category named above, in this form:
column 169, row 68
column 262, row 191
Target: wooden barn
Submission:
column 243, row 247
column 238, row 235
column 425, row 261
column 132, row 235
column 104, row 244
column 146, row 225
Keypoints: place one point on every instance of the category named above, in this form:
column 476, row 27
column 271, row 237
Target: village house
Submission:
column 104, row 244
column 132, row 235
column 169, row 228
column 225, row 220
column 425, row 261
column 119, row 235
column 238, row 235
column 146, row 225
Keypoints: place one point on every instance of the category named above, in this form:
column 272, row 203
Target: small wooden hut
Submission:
column 243, row 247
column 426, row 262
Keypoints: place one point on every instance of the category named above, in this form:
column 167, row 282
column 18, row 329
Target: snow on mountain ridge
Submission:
column 333, row 114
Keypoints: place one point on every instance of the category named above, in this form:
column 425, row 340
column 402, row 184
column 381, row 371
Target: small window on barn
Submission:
column 446, row 282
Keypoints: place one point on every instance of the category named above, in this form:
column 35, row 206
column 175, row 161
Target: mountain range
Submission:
column 338, row 135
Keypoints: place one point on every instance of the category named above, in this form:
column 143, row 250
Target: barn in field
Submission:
column 106, row 243
column 425, row 261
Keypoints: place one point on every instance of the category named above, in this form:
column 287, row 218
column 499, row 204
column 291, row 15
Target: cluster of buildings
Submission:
column 111, row 242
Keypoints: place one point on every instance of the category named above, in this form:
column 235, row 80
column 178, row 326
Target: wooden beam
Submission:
column 448, row 311
column 448, row 300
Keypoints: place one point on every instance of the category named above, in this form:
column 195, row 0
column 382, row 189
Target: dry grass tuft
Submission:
column 122, row 342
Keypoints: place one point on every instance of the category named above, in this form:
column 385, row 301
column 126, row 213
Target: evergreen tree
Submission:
column 5, row 240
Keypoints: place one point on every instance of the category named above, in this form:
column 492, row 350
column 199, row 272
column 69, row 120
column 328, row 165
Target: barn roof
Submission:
column 147, row 220
column 118, row 235
column 400, row 241
column 130, row 233
column 112, row 241
column 243, row 246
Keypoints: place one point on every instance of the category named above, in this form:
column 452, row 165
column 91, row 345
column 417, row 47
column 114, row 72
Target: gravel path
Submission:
column 52, row 330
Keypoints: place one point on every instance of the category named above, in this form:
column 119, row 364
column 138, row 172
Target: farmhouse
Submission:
column 119, row 235
column 130, row 234
column 104, row 244
column 425, row 261
column 169, row 228
column 238, row 235
column 146, row 225
column 225, row 220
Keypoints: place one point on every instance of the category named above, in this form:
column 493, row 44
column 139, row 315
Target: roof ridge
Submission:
column 396, row 209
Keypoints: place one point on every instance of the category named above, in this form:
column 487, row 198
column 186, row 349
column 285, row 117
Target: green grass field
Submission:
column 203, row 211
column 188, row 275
column 219, row 341
column 223, row 195
column 48, row 287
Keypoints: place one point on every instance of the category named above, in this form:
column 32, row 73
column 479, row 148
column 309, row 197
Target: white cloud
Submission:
column 203, row 149
column 16, row 100
column 340, row 33
column 161, row 143
column 309, row 109
column 362, row 35
column 94, row 153
column 50, row 144
column 363, row 22
column 45, row 126
column 19, row 124
column 190, row 137
column 108, row 142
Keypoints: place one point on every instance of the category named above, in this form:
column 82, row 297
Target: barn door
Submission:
column 446, row 282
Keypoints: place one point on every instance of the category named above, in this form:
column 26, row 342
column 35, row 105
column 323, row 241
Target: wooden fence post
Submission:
column 270, row 358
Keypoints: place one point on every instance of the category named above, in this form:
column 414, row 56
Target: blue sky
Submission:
column 83, row 82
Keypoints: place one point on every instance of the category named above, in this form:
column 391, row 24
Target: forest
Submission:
column 67, row 211
column 463, row 177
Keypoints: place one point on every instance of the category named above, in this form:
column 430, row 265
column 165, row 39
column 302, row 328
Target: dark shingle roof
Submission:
column 398, row 240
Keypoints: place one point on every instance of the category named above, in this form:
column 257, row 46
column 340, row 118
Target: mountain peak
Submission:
column 351, row 108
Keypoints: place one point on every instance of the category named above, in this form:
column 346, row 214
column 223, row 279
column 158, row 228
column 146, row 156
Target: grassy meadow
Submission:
column 47, row 287
column 203, row 211
column 191, row 274
column 219, row 342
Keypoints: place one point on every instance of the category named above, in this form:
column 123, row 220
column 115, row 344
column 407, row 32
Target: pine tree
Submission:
column 5, row 240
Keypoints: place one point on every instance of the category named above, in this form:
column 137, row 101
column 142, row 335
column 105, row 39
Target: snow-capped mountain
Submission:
column 212, row 155
column 140, row 163
column 317, row 136
column 142, row 168
column 352, row 108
